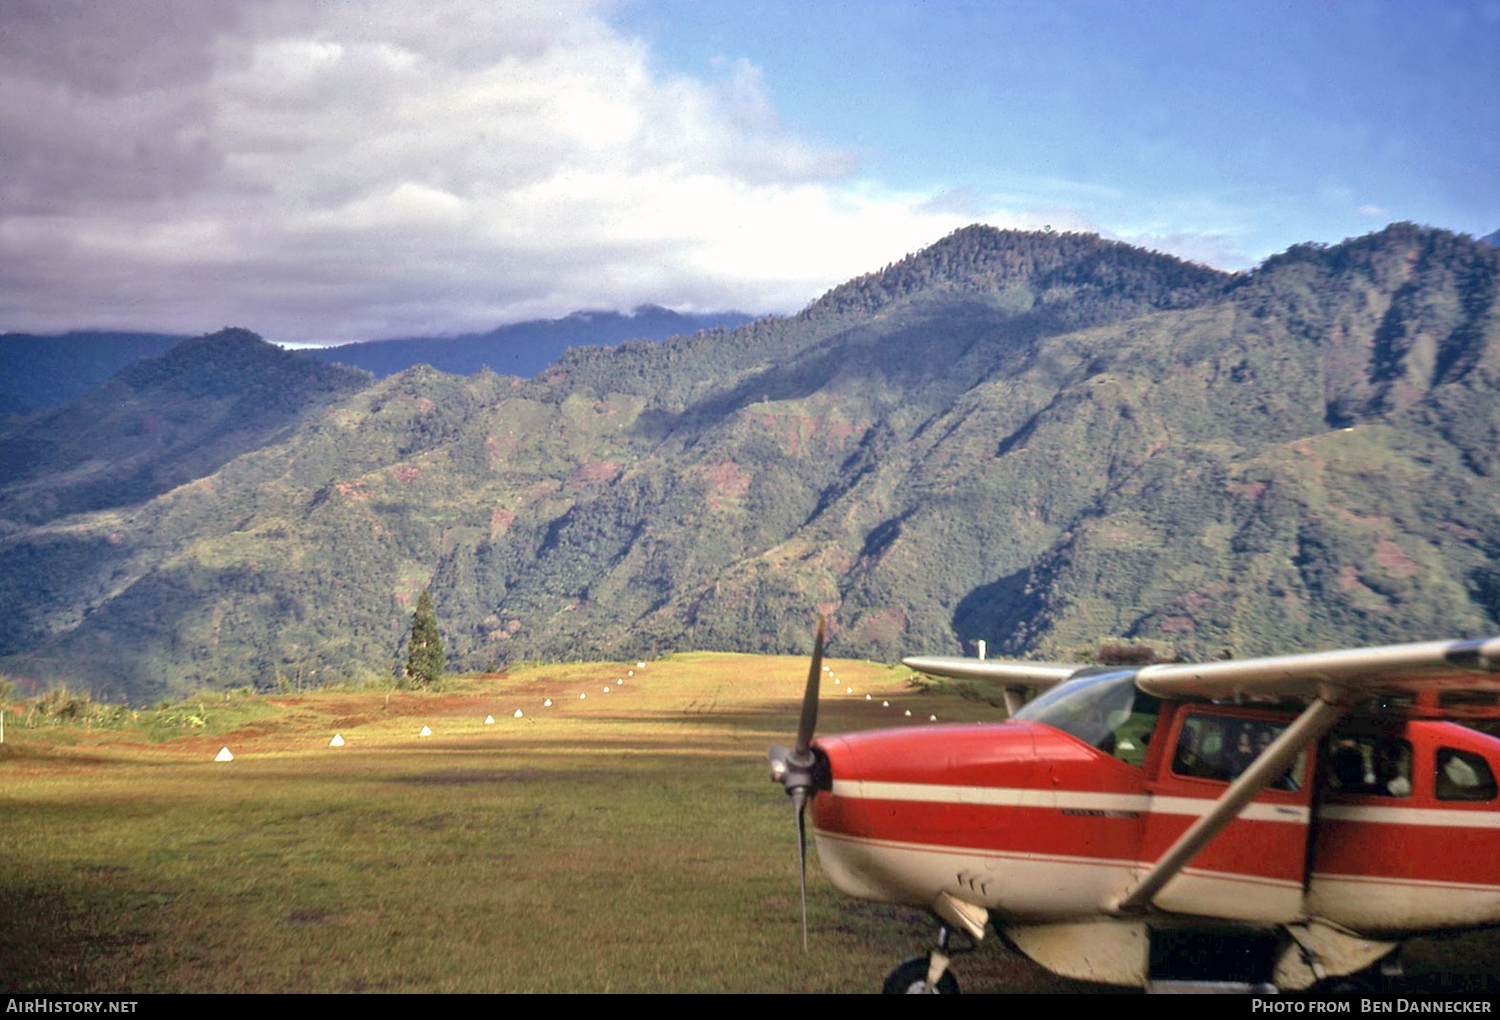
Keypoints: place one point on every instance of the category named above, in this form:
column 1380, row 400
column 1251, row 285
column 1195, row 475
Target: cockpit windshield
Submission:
column 1104, row 710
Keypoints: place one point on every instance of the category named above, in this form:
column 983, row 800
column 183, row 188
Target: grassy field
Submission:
column 627, row 841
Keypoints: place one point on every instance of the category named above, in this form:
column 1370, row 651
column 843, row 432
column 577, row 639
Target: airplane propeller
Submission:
column 793, row 768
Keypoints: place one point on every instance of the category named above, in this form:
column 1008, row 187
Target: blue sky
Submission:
column 353, row 170
column 1259, row 124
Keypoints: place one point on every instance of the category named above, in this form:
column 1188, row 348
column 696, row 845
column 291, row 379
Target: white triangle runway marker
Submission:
column 337, row 741
column 224, row 755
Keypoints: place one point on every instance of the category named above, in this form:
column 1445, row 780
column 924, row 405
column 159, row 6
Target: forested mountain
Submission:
column 523, row 348
column 1042, row 440
column 162, row 422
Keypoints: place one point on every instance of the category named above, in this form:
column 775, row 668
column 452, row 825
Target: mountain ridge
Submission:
column 41, row 373
column 1290, row 458
column 524, row 348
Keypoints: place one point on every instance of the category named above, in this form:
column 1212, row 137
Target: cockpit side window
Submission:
column 1221, row 748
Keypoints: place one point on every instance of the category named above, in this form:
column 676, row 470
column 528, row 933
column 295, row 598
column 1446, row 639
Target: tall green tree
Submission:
column 424, row 653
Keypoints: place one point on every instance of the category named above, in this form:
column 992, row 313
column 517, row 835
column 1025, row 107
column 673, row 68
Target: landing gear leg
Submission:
column 937, row 960
column 924, row 975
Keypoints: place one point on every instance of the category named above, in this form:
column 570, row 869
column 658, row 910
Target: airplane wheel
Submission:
column 910, row 978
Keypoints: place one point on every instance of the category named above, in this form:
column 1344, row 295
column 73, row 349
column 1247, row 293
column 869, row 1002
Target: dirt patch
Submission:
column 11, row 752
column 594, row 473
column 1389, row 555
column 310, row 918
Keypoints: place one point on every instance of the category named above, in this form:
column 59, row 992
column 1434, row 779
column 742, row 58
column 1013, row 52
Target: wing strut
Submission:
column 1015, row 699
column 1307, row 729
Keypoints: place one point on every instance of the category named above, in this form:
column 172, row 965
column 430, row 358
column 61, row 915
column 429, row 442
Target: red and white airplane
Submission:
column 1322, row 804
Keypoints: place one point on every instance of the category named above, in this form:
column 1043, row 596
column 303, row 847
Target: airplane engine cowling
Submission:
column 911, row 811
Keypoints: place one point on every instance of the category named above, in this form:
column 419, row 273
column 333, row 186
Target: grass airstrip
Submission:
column 627, row 841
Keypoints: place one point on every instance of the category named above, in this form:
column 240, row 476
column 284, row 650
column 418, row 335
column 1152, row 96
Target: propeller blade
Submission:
column 799, row 804
column 794, row 769
column 809, row 717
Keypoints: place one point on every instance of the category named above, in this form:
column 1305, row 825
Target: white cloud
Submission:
column 343, row 171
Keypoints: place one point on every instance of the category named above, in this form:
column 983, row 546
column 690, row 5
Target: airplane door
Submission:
column 1255, row 868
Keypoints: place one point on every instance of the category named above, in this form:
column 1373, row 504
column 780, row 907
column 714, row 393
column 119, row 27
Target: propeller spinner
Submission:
column 794, row 768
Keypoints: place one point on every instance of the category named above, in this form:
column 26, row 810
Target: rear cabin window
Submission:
column 1221, row 748
column 1463, row 775
column 1369, row 765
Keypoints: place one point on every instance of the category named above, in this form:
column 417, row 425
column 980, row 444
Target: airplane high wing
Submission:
column 1388, row 669
column 1322, row 800
column 1036, row 675
column 1015, row 678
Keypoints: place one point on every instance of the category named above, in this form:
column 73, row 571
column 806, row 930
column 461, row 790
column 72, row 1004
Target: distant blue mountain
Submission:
column 525, row 348
column 38, row 373
column 1493, row 240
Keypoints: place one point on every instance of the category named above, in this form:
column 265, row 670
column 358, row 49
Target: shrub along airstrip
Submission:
column 623, row 841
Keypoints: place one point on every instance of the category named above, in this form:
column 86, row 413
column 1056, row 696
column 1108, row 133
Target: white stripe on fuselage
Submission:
column 1068, row 800
column 1079, row 800
column 1411, row 816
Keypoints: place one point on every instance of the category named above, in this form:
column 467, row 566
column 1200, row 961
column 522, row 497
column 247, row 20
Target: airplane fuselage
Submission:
column 1384, row 829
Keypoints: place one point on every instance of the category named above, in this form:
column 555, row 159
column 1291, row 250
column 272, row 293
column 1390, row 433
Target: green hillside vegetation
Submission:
column 1041, row 440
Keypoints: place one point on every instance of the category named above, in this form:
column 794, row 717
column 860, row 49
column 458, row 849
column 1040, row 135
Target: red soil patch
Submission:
column 727, row 482
column 1459, row 531
column 1389, row 555
column 594, row 472
column 354, row 490
column 1349, row 579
